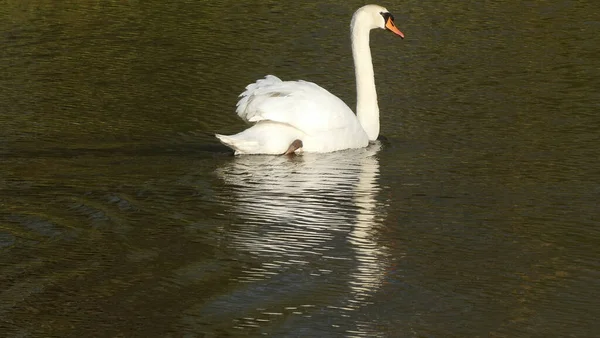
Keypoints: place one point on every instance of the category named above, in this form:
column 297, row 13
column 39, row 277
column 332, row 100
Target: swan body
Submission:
column 296, row 116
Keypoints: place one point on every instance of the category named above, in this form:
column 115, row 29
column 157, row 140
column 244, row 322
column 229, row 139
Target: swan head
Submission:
column 374, row 16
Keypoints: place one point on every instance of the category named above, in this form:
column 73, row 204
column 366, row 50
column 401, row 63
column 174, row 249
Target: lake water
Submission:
column 122, row 216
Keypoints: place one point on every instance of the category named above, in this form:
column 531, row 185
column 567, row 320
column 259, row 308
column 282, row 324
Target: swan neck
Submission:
column 367, row 109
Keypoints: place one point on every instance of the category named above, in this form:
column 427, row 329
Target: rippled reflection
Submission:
column 309, row 222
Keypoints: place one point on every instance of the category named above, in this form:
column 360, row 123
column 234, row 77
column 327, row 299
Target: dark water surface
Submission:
column 121, row 215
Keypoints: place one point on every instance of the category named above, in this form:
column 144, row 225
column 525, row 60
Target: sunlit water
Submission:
column 121, row 215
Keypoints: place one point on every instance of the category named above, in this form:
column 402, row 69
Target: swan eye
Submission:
column 387, row 16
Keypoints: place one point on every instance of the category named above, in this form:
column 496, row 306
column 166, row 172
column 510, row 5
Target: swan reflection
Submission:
column 309, row 218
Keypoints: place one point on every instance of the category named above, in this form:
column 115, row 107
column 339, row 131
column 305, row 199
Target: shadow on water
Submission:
column 145, row 149
column 309, row 223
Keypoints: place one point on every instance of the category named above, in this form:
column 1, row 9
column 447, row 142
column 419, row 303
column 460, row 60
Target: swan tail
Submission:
column 239, row 145
column 265, row 137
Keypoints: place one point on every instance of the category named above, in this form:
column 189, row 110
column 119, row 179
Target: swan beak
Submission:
column 391, row 27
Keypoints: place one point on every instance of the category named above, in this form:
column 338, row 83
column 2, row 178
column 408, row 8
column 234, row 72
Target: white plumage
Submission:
column 287, row 111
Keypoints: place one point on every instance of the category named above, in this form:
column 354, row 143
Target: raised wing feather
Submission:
column 303, row 105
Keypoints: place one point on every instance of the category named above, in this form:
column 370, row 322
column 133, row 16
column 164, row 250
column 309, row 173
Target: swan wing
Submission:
column 300, row 104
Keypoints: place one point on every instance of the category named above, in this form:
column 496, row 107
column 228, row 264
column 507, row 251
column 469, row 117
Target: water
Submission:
column 121, row 215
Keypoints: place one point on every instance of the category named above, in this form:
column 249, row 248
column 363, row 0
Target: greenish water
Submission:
column 121, row 215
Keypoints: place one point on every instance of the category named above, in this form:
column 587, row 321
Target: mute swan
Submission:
column 294, row 116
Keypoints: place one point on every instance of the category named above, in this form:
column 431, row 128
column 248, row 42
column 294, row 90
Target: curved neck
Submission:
column 367, row 109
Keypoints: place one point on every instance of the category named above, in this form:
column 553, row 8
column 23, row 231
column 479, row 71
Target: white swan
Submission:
column 293, row 116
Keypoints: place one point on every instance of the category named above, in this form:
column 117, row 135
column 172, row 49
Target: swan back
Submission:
column 301, row 104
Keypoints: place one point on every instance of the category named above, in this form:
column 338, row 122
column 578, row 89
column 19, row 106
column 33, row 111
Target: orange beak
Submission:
column 390, row 26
